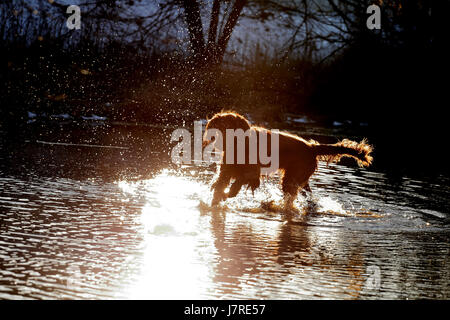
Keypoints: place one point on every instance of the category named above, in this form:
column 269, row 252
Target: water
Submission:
column 96, row 222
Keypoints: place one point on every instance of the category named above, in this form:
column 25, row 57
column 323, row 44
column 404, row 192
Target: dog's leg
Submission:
column 289, row 185
column 252, row 179
column 235, row 188
column 219, row 186
column 311, row 205
column 305, row 190
column 290, row 190
column 249, row 175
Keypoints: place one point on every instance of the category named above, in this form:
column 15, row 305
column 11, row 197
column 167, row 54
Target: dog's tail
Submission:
column 345, row 148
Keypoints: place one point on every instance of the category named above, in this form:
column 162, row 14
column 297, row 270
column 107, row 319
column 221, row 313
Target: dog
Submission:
column 298, row 159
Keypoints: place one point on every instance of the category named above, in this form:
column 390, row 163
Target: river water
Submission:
column 99, row 212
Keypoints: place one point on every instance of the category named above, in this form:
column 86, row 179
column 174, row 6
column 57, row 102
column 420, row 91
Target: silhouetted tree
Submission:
column 211, row 52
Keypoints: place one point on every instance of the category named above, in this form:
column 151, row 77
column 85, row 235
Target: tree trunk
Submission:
column 228, row 29
column 194, row 24
column 212, row 35
column 213, row 52
column 211, row 49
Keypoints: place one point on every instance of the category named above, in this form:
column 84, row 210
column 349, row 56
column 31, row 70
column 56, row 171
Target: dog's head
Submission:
column 223, row 121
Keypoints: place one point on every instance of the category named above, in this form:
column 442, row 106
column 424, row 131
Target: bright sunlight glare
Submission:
column 170, row 219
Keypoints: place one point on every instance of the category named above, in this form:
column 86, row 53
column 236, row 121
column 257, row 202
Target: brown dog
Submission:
column 297, row 159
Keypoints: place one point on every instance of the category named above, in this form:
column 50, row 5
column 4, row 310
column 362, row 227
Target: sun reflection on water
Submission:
column 193, row 251
column 170, row 220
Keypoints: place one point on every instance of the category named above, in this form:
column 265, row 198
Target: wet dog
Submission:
column 297, row 158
